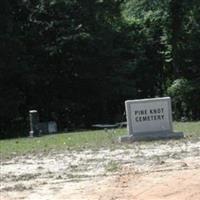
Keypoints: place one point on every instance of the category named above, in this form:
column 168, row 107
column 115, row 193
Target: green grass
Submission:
column 112, row 166
column 79, row 140
column 71, row 141
column 190, row 129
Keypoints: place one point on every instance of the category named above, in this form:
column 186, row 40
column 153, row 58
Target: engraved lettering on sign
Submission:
column 153, row 114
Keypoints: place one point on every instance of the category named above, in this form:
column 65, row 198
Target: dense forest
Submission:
column 77, row 61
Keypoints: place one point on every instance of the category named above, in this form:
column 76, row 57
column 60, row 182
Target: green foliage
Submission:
column 174, row 26
column 76, row 62
column 112, row 166
column 180, row 88
column 184, row 99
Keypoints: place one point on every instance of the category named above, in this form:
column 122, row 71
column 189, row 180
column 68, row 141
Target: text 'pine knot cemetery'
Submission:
column 149, row 115
column 149, row 119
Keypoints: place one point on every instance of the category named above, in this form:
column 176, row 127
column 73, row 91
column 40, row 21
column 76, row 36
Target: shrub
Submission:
column 184, row 99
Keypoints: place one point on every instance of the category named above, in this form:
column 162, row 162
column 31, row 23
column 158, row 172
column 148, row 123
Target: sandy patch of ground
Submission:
column 154, row 170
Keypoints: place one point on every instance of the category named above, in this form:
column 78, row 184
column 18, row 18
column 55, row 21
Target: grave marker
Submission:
column 34, row 123
column 149, row 119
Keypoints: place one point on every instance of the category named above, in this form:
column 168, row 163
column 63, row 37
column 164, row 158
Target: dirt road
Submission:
column 154, row 171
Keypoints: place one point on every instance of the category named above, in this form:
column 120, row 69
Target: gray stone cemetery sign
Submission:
column 149, row 119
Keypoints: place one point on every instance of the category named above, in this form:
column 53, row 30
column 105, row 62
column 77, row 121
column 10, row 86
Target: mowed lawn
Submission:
column 81, row 140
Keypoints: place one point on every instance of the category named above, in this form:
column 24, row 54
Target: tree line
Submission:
column 76, row 62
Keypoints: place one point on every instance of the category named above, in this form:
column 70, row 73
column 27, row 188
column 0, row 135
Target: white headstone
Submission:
column 52, row 127
column 149, row 119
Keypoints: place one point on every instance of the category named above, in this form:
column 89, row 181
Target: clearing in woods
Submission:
column 154, row 170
